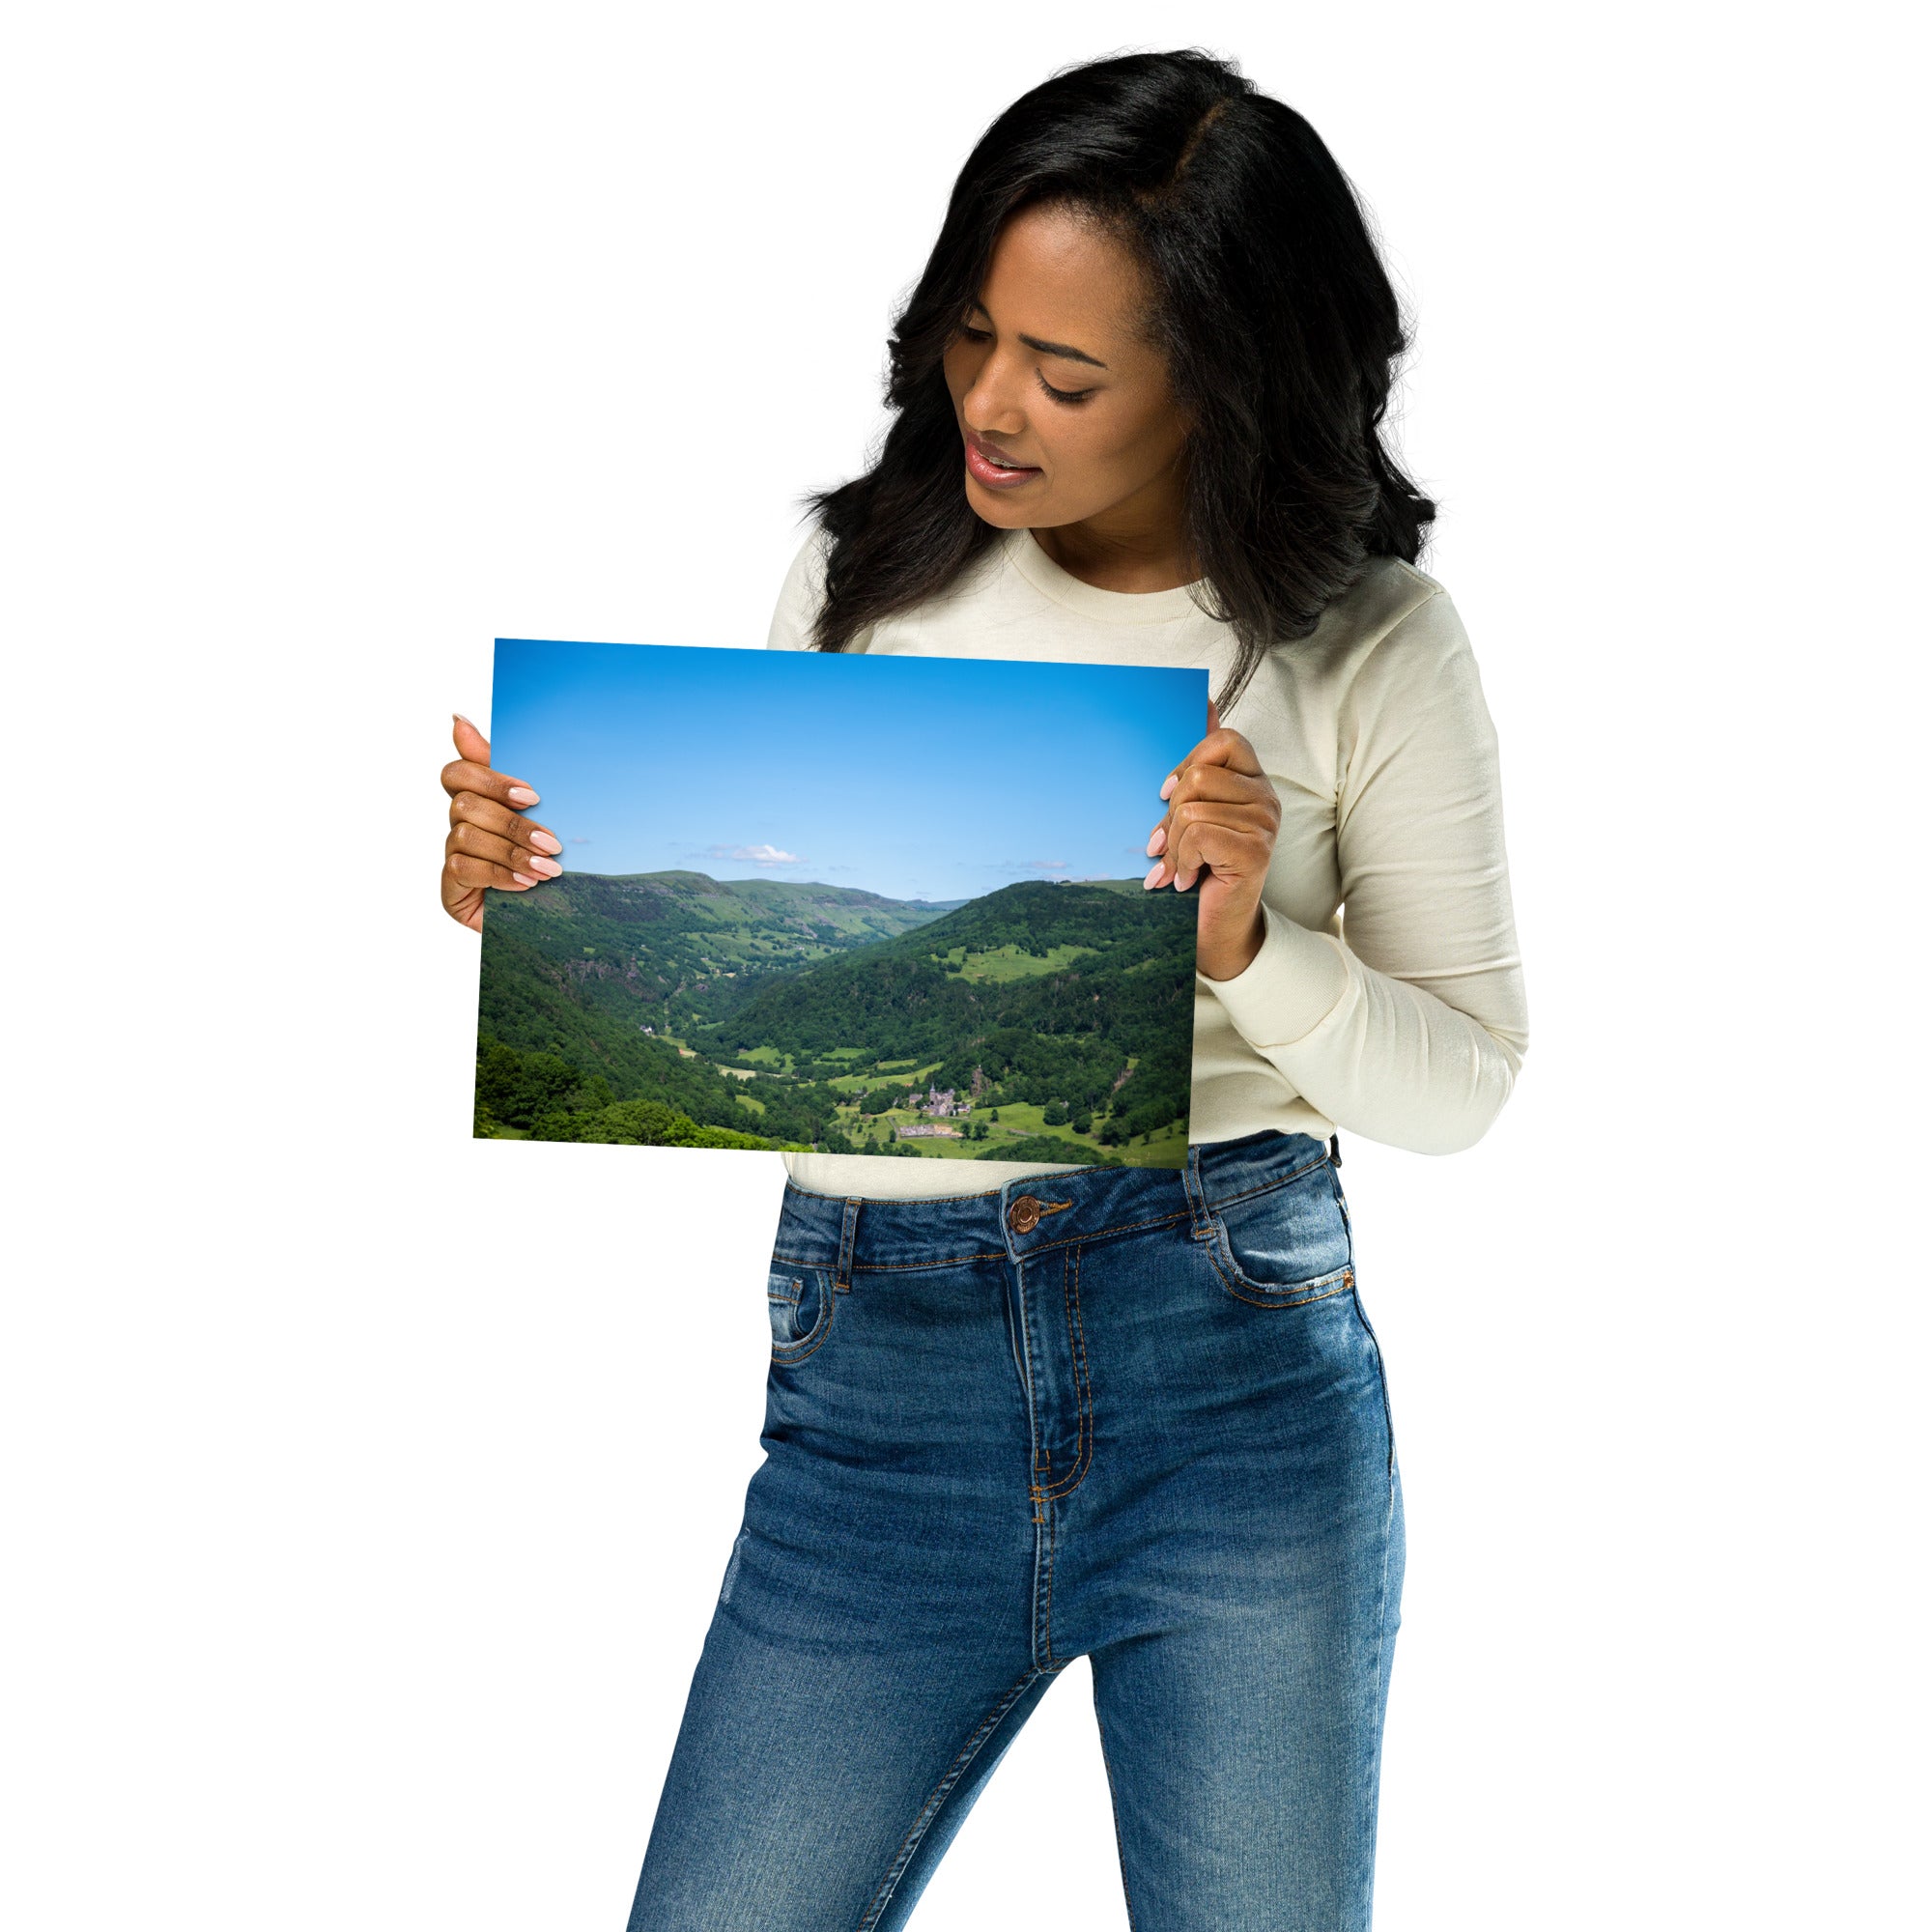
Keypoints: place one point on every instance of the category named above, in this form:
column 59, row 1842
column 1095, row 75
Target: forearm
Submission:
column 1377, row 1055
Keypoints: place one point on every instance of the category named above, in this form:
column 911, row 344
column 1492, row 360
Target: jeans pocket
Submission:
column 1284, row 1245
column 801, row 1301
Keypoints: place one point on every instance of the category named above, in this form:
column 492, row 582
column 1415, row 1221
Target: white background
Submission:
column 367, row 1488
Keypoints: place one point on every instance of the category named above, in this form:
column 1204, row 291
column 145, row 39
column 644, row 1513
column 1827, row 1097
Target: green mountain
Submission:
column 684, row 931
column 1113, row 983
column 1064, row 1007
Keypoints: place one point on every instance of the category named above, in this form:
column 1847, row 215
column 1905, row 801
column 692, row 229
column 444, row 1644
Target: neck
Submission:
column 1139, row 545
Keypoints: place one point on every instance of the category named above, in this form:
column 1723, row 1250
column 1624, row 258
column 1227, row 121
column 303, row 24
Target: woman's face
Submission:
column 1050, row 376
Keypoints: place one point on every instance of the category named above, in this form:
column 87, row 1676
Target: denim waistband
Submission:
column 1031, row 1215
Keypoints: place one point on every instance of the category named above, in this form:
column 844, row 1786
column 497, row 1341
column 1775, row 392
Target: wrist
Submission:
column 1227, row 958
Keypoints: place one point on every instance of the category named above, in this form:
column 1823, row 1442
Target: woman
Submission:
column 1017, row 1416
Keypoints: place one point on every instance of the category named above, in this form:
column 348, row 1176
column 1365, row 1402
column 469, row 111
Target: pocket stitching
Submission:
column 797, row 1349
column 1270, row 1294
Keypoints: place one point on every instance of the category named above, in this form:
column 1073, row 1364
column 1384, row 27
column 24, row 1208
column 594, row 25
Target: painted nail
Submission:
column 1152, row 879
column 549, row 868
column 461, row 719
column 522, row 795
column 523, row 878
column 544, row 843
column 1167, row 789
column 1158, row 842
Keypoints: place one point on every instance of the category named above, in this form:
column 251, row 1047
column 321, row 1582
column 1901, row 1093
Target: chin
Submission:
column 992, row 507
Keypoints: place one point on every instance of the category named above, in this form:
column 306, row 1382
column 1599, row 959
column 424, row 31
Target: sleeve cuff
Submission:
column 1287, row 988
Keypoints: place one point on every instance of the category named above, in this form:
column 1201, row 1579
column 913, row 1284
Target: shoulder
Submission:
column 986, row 596
column 1394, row 619
column 1394, row 627
column 802, row 594
column 1394, row 643
column 1408, row 679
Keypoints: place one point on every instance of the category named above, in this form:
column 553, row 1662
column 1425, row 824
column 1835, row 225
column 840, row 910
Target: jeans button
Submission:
column 1023, row 1216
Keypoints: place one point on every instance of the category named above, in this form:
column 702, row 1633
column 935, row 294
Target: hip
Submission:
column 1215, row 1307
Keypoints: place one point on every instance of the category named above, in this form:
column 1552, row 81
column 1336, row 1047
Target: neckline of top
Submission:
column 1110, row 607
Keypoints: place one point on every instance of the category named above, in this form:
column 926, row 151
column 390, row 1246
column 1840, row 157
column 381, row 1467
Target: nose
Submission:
column 990, row 404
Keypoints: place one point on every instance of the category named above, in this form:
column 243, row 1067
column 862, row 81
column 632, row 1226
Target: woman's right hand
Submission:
column 490, row 842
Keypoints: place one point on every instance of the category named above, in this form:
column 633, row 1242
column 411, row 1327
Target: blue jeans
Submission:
column 1129, row 1414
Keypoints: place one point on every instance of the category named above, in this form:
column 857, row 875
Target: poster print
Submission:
column 864, row 905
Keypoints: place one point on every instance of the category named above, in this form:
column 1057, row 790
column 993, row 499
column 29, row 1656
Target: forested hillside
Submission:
column 682, row 939
column 1116, row 987
column 816, row 1016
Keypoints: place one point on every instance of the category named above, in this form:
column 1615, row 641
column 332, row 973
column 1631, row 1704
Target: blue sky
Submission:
column 916, row 777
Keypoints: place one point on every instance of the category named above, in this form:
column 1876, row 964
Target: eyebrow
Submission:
column 1066, row 350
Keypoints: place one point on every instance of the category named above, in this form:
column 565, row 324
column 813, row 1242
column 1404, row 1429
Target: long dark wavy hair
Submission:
column 1278, row 322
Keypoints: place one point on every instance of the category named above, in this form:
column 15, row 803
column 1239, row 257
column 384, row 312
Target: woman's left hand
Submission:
column 1222, row 817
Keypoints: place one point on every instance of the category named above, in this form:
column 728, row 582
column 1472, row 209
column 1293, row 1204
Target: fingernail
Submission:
column 461, row 719
column 1148, row 883
column 522, row 795
column 1158, row 842
column 523, row 878
column 544, row 843
column 1167, row 790
column 549, row 868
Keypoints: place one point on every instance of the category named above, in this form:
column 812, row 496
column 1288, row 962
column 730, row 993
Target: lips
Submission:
column 993, row 467
column 993, row 454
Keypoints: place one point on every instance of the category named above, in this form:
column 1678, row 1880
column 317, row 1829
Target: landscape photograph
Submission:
column 860, row 905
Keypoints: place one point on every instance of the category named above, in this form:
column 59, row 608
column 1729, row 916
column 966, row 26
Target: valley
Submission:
column 1043, row 1021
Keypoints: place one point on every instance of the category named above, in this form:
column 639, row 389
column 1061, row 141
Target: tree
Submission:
column 518, row 1087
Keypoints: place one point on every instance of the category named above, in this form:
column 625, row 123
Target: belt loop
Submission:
column 1197, row 1195
column 841, row 1275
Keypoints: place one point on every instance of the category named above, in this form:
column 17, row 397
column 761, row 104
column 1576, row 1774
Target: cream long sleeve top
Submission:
column 1388, row 997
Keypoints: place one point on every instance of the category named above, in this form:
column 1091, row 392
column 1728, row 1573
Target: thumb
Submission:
column 470, row 743
column 1213, row 716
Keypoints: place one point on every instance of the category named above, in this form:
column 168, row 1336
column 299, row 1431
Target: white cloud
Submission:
column 758, row 854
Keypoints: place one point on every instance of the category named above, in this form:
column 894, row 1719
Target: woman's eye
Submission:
column 1064, row 395
column 968, row 333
